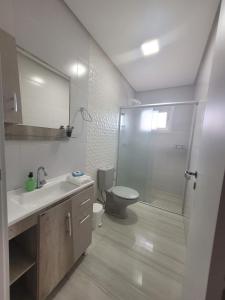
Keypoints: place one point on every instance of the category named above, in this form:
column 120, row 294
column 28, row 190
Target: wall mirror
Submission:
column 44, row 92
column 45, row 100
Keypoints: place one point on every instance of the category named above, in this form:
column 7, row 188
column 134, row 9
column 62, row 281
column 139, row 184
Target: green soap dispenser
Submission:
column 30, row 184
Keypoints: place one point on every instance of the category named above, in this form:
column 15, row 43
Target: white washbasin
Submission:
column 45, row 195
column 22, row 204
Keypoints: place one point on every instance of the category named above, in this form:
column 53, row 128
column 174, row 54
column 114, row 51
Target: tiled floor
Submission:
column 141, row 258
column 163, row 200
column 174, row 205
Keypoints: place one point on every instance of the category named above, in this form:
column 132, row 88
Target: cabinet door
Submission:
column 10, row 78
column 83, row 234
column 55, row 247
column 82, row 211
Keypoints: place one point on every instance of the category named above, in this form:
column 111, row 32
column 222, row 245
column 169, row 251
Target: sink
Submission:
column 49, row 193
column 22, row 204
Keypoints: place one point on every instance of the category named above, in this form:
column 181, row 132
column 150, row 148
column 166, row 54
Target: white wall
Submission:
column 176, row 94
column 201, row 93
column 206, row 240
column 51, row 32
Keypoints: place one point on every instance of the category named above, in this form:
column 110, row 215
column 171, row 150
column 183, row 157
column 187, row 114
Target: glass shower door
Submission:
column 153, row 152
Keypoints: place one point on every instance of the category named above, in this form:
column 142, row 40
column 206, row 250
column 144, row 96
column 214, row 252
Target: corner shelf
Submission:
column 20, row 263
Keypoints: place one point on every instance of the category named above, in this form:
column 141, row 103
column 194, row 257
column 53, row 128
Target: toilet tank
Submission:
column 105, row 179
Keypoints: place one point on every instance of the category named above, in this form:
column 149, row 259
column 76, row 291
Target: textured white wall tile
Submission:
column 79, row 99
column 107, row 92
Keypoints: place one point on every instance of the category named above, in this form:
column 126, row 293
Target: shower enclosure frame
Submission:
column 195, row 104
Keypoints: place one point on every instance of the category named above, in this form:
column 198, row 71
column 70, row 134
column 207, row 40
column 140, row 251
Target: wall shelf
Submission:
column 32, row 133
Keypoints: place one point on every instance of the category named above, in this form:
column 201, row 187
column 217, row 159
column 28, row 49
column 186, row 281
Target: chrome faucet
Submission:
column 41, row 182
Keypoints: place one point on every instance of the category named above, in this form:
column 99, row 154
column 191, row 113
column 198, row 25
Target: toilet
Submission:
column 118, row 198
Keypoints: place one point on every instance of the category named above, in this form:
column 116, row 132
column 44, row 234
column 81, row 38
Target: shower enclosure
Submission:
column 153, row 152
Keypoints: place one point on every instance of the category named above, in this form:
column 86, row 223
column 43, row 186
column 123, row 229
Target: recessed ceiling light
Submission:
column 79, row 70
column 150, row 47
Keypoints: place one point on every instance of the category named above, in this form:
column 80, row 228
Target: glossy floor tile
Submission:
column 174, row 206
column 166, row 201
column 141, row 258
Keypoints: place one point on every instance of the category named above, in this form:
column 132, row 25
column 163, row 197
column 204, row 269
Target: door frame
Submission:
column 4, row 249
column 192, row 133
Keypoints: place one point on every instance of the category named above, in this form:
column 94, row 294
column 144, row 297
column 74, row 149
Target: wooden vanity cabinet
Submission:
column 82, row 211
column 65, row 232
column 10, row 78
column 55, row 247
column 45, row 246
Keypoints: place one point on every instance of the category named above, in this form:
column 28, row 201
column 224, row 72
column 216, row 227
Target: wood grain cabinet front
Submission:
column 10, row 79
column 65, row 232
column 55, row 247
column 82, row 212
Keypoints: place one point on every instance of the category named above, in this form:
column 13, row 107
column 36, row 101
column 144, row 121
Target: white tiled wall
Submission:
column 51, row 32
column 107, row 91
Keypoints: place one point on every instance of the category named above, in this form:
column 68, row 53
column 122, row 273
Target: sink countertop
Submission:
column 18, row 212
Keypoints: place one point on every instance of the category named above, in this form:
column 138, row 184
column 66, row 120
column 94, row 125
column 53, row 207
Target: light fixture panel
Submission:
column 150, row 48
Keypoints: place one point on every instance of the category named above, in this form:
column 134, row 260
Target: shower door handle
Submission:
column 188, row 174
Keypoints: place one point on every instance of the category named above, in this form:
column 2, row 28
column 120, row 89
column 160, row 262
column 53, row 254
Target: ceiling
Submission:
column 121, row 26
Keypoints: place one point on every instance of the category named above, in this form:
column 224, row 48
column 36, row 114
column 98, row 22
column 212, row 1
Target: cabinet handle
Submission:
column 85, row 202
column 68, row 217
column 87, row 217
column 15, row 103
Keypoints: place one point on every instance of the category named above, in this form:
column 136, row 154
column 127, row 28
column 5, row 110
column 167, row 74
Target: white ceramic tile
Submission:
column 107, row 92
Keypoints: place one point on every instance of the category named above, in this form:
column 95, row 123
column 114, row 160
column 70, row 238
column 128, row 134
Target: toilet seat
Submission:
column 125, row 192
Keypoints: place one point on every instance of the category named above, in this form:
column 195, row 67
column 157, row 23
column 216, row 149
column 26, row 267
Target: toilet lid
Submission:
column 125, row 192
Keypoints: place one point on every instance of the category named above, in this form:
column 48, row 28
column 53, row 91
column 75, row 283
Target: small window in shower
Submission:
column 153, row 120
